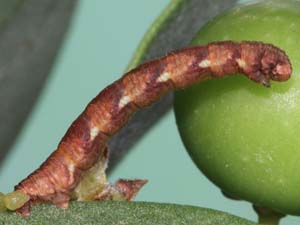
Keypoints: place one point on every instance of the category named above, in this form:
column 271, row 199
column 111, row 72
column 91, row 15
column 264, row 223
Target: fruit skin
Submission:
column 242, row 136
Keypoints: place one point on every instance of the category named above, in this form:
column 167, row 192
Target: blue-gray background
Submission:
column 100, row 42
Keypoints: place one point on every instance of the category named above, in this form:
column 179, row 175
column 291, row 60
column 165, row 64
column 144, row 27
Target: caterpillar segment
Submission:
column 76, row 170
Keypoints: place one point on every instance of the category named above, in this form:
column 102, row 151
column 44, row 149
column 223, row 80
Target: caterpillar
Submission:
column 76, row 170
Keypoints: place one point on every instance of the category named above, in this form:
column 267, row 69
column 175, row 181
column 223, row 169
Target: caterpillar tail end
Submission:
column 122, row 190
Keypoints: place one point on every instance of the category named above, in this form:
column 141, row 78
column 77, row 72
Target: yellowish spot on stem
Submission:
column 241, row 63
column 124, row 101
column 94, row 132
column 165, row 76
column 205, row 63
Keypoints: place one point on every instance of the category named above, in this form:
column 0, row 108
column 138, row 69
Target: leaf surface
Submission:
column 31, row 32
column 125, row 213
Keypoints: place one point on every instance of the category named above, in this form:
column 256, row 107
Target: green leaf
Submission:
column 31, row 32
column 125, row 213
column 156, row 27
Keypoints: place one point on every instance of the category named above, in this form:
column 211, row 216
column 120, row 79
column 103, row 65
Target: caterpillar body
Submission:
column 82, row 152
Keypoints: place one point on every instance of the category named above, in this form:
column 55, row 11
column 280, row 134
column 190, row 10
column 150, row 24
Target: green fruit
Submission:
column 243, row 136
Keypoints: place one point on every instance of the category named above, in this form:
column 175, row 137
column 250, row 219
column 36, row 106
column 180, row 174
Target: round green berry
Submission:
column 243, row 136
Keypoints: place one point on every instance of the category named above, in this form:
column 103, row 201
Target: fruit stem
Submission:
column 268, row 216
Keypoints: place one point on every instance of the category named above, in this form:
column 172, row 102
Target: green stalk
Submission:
column 268, row 216
column 152, row 32
column 268, row 220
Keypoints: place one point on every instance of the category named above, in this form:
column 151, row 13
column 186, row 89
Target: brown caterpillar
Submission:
column 70, row 171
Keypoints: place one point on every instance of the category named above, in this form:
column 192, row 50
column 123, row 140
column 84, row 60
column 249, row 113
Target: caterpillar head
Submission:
column 275, row 64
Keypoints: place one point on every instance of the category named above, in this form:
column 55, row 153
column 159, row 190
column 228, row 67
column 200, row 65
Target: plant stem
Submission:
column 269, row 220
column 155, row 28
column 268, row 216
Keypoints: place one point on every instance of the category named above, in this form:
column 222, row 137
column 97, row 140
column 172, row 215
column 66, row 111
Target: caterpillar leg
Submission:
column 94, row 185
column 93, row 180
column 259, row 77
column 122, row 190
column 24, row 210
column 60, row 200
